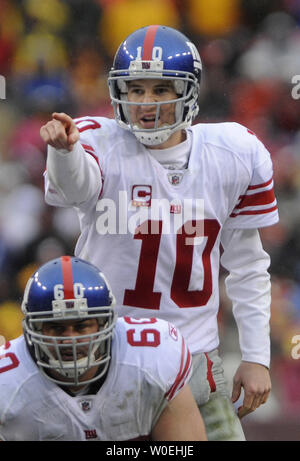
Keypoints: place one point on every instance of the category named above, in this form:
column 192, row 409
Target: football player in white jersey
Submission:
column 79, row 373
column 157, row 197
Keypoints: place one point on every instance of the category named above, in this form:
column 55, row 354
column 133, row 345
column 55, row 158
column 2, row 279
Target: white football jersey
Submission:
column 150, row 363
column 156, row 232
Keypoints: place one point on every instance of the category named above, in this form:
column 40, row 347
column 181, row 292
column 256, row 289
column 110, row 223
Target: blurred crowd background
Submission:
column 55, row 55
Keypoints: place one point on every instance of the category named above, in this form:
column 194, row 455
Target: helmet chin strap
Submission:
column 160, row 136
column 68, row 370
column 154, row 138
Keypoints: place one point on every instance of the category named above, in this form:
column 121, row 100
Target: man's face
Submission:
column 68, row 329
column 147, row 91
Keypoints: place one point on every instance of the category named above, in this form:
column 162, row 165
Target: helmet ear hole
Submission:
column 121, row 114
column 122, row 86
column 179, row 86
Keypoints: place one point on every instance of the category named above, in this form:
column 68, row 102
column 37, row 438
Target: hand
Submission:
column 256, row 381
column 61, row 132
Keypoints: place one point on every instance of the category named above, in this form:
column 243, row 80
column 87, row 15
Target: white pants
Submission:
column 210, row 390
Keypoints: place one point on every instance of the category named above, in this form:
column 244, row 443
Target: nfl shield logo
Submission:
column 175, row 178
column 86, row 405
column 173, row 332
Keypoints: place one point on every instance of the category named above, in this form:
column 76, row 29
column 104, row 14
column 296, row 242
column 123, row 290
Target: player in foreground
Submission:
column 78, row 373
column 158, row 197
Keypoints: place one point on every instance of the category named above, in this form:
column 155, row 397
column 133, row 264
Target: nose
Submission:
column 68, row 333
column 149, row 97
column 67, row 340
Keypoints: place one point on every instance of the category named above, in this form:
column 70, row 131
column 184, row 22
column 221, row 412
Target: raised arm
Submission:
column 73, row 176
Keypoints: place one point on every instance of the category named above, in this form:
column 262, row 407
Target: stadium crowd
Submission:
column 55, row 56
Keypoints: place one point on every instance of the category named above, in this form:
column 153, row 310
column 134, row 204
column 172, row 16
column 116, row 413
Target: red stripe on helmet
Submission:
column 149, row 42
column 66, row 264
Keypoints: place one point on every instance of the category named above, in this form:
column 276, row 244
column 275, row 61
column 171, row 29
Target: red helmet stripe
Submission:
column 148, row 43
column 66, row 265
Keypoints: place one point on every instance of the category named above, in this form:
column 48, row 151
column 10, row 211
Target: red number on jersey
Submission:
column 14, row 361
column 133, row 321
column 180, row 293
column 90, row 124
column 143, row 295
column 147, row 337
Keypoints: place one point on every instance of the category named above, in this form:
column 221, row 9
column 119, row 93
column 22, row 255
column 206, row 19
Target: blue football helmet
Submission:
column 69, row 289
column 156, row 52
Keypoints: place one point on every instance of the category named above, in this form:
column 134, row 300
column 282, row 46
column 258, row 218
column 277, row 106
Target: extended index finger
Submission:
column 63, row 118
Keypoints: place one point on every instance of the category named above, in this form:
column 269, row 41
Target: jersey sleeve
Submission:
column 173, row 366
column 249, row 288
column 257, row 205
column 167, row 358
column 89, row 129
column 184, row 368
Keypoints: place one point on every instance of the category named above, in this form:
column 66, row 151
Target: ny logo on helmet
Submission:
column 195, row 54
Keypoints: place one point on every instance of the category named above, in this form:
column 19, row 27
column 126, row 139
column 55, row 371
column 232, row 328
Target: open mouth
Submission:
column 147, row 121
column 67, row 356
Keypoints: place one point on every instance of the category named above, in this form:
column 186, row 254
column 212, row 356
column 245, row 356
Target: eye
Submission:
column 136, row 91
column 81, row 327
column 56, row 330
column 162, row 90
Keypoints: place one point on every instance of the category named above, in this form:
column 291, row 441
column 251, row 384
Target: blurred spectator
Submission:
column 21, row 215
column 215, row 18
column 293, row 7
column 52, row 15
column 10, row 320
column 121, row 17
column 82, row 29
column 89, row 83
column 6, row 53
column 39, row 47
column 253, row 12
column 274, row 51
column 11, row 28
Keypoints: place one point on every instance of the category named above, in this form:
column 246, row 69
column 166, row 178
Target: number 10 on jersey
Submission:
column 144, row 296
